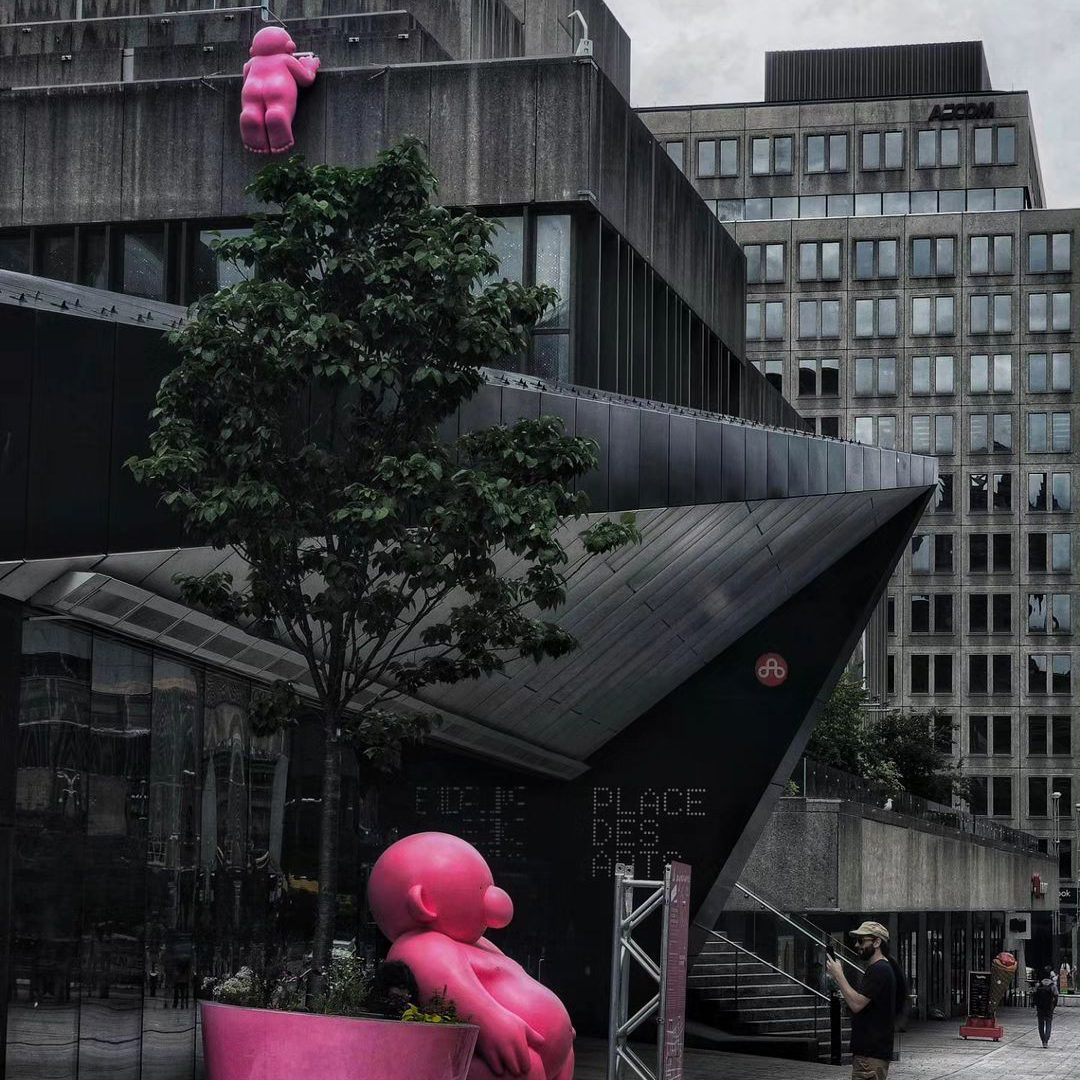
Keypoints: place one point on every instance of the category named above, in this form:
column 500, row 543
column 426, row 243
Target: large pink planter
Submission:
column 261, row 1044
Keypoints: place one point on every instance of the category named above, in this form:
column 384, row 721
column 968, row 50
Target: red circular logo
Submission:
column 771, row 669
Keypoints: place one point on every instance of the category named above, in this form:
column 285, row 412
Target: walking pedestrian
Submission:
column 1045, row 999
column 875, row 1006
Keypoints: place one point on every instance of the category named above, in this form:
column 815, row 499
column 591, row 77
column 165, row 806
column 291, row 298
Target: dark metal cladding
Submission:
column 954, row 67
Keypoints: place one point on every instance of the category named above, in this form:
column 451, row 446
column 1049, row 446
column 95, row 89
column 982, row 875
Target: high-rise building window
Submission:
column 932, row 553
column 978, row 735
column 826, row 153
column 989, row 674
column 989, row 491
column 1061, row 734
column 933, row 315
column 1049, row 432
column 995, row 145
column 943, row 495
column 875, row 376
column 882, row 150
column 1037, row 802
column 932, row 375
column 765, row 320
column 1049, row 372
column 771, row 155
column 1049, row 553
column 876, row 318
column 991, row 254
column 938, row 148
column 715, row 157
column 990, row 314
column 932, row 434
column 931, row 614
column 819, row 319
column 1002, row 789
column 1050, row 253
column 977, row 795
column 1049, row 491
column 875, row 431
column 676, row 150
column 764, row 263
column 990, row 434
column 1049, row 613
column 1037, row 729
column 933, row 256
column 989, row 553
column 829, row 426
column 819, row 260
column 875, row 259
column 773, row 370
column 1049, row 312
column 729, row 157
column 990, row 373
column 819, row 376
column 1049, row 673
column 707, row 164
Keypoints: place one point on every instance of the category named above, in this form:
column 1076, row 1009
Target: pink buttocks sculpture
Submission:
column 268, row 98
column 433, row 896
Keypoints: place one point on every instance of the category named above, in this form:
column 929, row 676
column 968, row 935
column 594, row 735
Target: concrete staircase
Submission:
column 736, row 992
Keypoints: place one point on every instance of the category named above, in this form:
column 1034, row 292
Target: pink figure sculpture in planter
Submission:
column 268, row 97
column 433, row 896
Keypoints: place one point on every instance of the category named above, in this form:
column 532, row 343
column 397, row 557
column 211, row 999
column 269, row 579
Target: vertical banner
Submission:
column 673, row 988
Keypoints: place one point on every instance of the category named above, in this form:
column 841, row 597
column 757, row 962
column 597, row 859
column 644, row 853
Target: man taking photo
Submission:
column 875, row 1005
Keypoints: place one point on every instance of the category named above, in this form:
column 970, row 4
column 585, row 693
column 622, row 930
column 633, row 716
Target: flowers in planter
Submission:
column 353, row 987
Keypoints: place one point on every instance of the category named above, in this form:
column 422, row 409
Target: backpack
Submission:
column 1043, row 998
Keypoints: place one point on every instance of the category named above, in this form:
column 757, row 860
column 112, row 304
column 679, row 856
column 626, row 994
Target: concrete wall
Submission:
column 465, row 29
column 824, row 855
column 499, row 133
column 548, row 32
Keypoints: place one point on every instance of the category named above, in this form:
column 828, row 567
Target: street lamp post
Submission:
column 1055, row 923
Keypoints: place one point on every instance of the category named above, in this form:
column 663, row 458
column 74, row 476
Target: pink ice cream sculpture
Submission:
column 433, row 896
column 271, row 78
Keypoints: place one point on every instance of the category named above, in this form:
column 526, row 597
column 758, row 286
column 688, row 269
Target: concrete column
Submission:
column 923, row 954
column 947, row 949
column 10, row 663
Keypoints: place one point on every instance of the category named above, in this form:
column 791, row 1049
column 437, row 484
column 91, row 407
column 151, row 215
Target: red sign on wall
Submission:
column 771, row 669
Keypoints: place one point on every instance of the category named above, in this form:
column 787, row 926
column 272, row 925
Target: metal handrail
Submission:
column 761, row 960
column 825, row 941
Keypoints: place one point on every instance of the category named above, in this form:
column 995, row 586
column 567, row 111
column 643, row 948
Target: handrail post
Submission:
column 836, row 1048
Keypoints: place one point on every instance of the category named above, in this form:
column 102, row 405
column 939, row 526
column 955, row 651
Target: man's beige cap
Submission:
column 871, row 929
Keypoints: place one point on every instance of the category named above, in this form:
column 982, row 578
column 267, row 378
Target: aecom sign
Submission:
column 963, row 110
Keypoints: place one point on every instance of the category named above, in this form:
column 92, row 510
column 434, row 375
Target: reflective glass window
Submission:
column 950, row 146
column 783, row 155
column 729, row 157
column 553, row 262
column 708, row 164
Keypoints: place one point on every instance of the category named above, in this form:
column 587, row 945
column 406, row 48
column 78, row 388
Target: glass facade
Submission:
column 150, row 826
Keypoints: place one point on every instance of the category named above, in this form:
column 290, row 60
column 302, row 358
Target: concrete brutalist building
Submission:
column 149, row 837
column 909, row 288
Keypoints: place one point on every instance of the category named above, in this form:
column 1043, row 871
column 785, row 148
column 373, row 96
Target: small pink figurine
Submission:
column 271, row 77
column 433, row 896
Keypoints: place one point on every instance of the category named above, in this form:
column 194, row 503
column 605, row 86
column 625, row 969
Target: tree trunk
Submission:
column 328, row 849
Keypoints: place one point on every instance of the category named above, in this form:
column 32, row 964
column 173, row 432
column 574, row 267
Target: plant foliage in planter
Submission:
column 301, row 430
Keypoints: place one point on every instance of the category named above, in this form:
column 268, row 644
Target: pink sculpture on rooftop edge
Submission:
column 433, row 896
column 268, row 97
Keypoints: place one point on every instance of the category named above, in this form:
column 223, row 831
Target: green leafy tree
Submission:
column 839, row 735
column 897, row 751
column 301, row 430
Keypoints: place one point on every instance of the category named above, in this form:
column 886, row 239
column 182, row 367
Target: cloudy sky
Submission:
column 713, row 50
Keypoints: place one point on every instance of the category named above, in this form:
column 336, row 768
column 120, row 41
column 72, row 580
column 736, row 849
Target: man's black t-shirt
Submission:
column 872, row 1028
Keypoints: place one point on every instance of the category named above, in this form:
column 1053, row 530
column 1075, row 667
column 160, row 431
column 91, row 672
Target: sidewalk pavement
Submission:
column 930, row 1051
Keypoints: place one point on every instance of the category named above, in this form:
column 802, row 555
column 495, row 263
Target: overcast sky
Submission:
column 702, row 51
